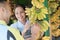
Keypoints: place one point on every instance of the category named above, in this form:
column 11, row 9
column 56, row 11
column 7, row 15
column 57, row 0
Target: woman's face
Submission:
column 20, row 13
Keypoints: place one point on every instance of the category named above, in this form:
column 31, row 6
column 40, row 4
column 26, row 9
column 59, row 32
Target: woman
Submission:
column 23, row 24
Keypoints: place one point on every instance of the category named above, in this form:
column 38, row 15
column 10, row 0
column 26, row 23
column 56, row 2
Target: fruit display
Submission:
column 37, row 13
column 54, row 6
column 55, row 22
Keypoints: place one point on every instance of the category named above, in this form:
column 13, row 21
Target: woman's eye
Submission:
column 16, row 13
column 22, row 12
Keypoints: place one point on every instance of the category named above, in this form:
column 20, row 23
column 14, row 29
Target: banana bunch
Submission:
column 35, row 13
column 38, row 12
column 38, row 3
column 31, row 14
column 46, row 38
column 44, row 25
column 55, row 20
column 42, row 14
column 56, row 33
column 53, row 6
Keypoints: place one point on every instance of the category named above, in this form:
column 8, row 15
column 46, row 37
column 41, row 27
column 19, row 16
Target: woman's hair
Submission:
column 2, row 0
column 19, row 5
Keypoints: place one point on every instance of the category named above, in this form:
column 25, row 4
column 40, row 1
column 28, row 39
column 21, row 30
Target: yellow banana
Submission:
column 46, row 23
column 39, row 17
column 46, row 38
column 45, row 26
column 43, row 15
column 37, row 3
column 44, row 10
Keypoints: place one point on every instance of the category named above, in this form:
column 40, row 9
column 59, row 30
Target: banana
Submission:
column 44, row 10
column 43, row 15
column 45, row 22
column 38, row 4
column 41, row 0
column 38, row 11
column 46, row 38
column 44, row 27
column 39, row 17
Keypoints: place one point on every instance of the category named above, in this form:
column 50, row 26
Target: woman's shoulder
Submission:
column 14, row 24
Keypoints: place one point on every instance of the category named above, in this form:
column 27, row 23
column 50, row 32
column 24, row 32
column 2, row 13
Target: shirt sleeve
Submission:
column 14, row 25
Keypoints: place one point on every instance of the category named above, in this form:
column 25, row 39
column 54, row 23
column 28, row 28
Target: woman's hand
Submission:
column 26, row 27
column 35, row 30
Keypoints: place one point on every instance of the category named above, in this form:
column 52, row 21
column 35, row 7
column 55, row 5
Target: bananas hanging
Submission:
column 38, row 3
column 56, row 33
column 38, row 12
column 53, row 6
column 55, row 22
column 35, row 13
column 46, row 38
column 44, row 25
